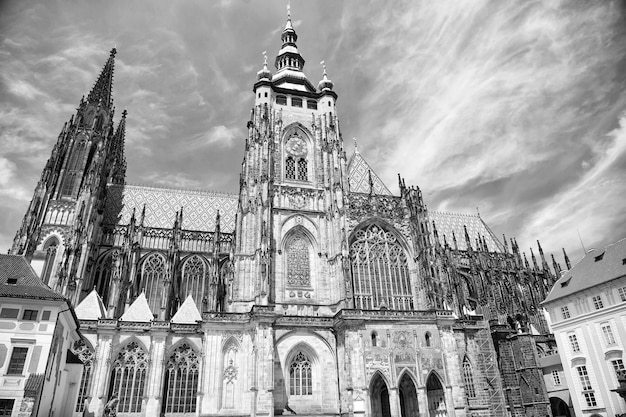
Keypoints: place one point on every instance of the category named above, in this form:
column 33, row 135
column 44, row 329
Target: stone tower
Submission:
column 62, row 221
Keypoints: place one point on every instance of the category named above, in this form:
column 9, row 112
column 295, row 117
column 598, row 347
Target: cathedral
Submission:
column 314, row 290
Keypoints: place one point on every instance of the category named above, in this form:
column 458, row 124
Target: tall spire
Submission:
column 117, row 149
column 288, row 57
column 102, row 89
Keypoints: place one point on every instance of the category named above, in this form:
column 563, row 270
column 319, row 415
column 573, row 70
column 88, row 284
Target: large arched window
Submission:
column 298, row 261
column 102, row 278
column 468, row 378
column 68, row 184
column 128, row 378
column 380, row 271
column 181, row 381
column 153, row 276
column 85, row 354
column 194, row 271
column 50, row 247
column 300, row 375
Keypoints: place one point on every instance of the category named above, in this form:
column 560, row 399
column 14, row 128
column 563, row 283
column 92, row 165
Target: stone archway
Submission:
column 559, row 407
column 409, row 406
column 436, row 397
column 379, row 397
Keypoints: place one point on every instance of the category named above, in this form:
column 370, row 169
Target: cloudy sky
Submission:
column 514, row 107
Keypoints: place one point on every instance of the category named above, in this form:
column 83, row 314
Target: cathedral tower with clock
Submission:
column 313, row 291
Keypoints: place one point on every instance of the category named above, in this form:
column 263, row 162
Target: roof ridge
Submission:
column 476, row 216
column 190, row 190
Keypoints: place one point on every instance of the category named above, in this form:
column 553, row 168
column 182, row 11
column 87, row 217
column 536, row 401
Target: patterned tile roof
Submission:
column 199, row 207
column 28, row 284
column 447, row 223
column 359, row 172
column 596, row 267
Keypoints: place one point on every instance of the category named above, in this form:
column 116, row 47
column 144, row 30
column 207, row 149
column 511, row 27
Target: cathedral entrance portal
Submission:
column 409, row 406
column 436, row 397
column 379, row 397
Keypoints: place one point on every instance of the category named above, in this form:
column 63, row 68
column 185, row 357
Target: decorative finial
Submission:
column 323, row 63
column 288, row 9
column 356, row 147
column 113, row 51
column 265, row 58
column 477, row 211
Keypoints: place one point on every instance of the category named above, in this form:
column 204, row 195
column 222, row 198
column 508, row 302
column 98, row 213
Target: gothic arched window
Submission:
column 468, row 378
column 102, row 278
column 298, row 262
column 290, row 168
column 85, row 355
column 128, row 378
column 68, row 185
column 50, row 247
column 302, row 170
column 300, row 375
column 194, row 270
column 181, row 381
column 380, row 271
column 153, row 276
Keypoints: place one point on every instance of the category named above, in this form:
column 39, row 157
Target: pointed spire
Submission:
column 532, row 256
column 567, row 262
column 119, row 161
column 506, row 244
column 544, row 263
column 555, row 265
column 103, row 88
column 265, row 72
column 288, row 56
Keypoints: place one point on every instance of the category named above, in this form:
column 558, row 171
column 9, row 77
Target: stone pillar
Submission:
column 155, row 376
column 265, row 364
column 450, row 402
column 422, row 400
column 101, row 374
column 394, row 401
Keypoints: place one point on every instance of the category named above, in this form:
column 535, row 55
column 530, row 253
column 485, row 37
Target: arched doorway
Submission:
column 379, row 397
column 559, row 407
column 436, row 396
column 409, row 406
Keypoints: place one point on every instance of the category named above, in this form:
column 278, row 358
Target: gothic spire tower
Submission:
column 66, row 208
column 291, row 218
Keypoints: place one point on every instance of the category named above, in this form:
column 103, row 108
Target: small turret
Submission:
column 325, row 83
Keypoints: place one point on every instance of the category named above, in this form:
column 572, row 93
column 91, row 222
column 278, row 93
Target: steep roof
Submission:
column 139, row 310
column 448, row 223
column 27, row 284
column 187, row 313
column 91, row 308
column 596, row 267
column 199, row 207
column 360, row 173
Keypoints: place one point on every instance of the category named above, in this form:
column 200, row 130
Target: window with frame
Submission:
column 17, row 361
column 194, row 270
column 302, row 169
column 597, row 302
column 298, row 262
column 50, row 247
column 296, row 101
column 282, row 100
column 585, row 382
column 590, row 399
column 128, row 377
column 290, row 168
column 573, row 340
column 622, row 293
column 556, row 377
column 153, row 278
column 565, row 312
column 380, row 270
column 311, row 104
column 618, row 367
column 607, row 332
column 468, row 378
column 6, row 406
column 181, row 380
column 300, row 375
column 85, row 354
column 30, row 315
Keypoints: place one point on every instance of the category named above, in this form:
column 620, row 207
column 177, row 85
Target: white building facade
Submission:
column 587, row 308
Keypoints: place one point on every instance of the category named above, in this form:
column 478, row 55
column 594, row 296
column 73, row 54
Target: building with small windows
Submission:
column 38, row 373
column 313, row 289
column 587, row 308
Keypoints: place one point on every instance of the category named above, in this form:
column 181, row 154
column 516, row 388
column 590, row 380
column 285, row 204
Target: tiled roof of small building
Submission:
column 199, row 207
column 33, row 384
column 27, row 284
column 596, row 267
column 447, row 223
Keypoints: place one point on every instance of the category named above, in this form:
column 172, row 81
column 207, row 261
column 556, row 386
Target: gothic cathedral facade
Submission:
column 314, row 291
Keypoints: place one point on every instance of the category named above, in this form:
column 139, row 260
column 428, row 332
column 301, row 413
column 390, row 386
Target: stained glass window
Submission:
column 181, row 380
column 85, row 354
column 298, row 262
column 468, row 378
column 302, row 170
column 129, row 378
column 153, row 277
column 300, row 376
column 380, row 271
column 194, row 270
column 290, row 168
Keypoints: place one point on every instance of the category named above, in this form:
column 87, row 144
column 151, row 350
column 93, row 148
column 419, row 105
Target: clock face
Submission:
column 296, row 146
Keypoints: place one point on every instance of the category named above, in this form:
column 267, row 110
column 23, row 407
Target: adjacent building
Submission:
column 38, row 373
column 587, row 308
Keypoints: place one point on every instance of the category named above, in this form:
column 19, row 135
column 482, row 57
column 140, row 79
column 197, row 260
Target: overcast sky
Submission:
column 514, row 107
